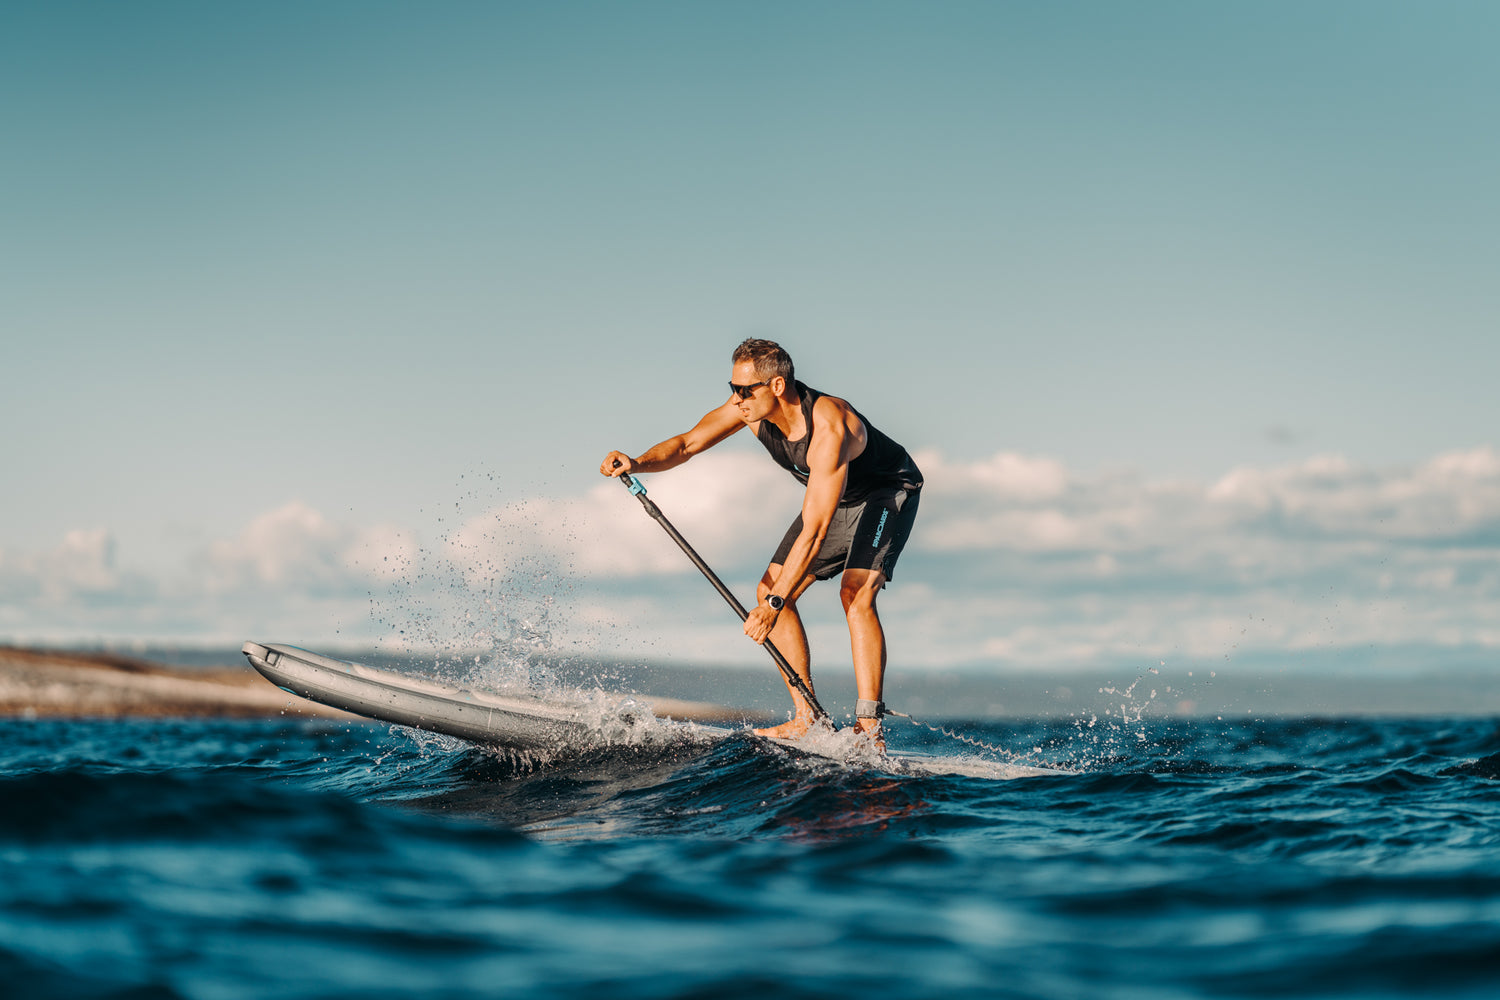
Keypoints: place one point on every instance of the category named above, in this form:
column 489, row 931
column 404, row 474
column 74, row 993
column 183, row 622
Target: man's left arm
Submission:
column 835, row 444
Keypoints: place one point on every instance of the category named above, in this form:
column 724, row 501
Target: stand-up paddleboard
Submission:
column 519, row 722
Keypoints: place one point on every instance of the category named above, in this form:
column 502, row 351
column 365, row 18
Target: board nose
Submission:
column 260, row 655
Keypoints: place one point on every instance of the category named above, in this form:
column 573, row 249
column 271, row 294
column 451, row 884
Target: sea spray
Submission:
column 484, row 608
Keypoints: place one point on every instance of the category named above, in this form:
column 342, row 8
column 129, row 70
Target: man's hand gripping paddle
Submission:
column 638, row 490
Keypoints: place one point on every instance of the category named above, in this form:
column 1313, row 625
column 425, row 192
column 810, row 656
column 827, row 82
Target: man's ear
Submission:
column 778, row 385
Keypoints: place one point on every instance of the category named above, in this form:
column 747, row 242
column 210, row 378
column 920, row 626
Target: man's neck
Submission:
column 788, row 415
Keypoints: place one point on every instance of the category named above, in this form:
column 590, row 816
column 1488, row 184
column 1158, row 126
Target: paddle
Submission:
column 638, row 490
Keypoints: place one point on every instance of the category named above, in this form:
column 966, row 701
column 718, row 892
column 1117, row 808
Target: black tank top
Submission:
column 883, row 463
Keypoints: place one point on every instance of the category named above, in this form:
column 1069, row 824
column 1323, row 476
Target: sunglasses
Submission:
column 746, row 391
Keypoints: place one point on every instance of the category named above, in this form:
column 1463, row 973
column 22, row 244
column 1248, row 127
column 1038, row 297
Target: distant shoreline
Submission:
column 38, row 683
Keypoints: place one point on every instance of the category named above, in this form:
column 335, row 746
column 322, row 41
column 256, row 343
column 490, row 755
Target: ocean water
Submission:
column 1178, row 858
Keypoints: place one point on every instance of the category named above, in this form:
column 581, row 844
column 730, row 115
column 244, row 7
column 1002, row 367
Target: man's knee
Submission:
column 858, row 592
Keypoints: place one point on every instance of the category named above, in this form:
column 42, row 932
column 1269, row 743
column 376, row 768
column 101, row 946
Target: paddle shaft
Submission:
column 792, row 677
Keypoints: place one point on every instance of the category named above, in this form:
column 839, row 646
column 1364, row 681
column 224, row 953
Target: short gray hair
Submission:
column 770, row 359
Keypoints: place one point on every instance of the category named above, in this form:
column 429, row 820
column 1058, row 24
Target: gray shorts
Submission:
column 865, row 535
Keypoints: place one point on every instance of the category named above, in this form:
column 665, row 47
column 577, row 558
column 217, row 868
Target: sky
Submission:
column 316, row 319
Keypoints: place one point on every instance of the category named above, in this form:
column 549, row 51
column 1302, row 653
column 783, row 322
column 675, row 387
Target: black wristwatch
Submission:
column 776, row 603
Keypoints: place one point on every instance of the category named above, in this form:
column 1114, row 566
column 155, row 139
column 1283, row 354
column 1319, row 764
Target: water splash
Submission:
column 483, row 603
column 484, row 607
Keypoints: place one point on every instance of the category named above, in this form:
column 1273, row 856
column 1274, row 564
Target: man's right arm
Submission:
column 715, row 426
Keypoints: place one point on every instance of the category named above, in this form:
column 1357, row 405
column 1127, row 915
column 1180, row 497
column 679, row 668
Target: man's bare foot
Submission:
column 793, row 730
column 871, row 730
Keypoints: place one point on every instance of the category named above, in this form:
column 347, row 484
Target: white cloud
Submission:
column 1447, row 500
column 1449, row 497
column 1021, row 504
column 297, row 548
column 82, row 564
column 1006, row 475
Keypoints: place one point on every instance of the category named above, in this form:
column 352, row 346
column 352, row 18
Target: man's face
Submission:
column 761, row 400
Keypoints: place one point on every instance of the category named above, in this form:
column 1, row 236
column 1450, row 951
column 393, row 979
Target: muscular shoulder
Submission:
column 830, row 411
column 834, row 418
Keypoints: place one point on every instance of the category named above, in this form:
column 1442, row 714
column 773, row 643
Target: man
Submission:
column 862, row 492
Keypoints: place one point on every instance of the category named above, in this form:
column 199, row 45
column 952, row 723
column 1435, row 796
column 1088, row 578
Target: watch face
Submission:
column 775, row 602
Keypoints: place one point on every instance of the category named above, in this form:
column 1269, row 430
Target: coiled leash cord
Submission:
column 866, row 709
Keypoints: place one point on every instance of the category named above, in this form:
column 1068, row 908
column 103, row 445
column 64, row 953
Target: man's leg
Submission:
column 858, row 589
column 790, row 638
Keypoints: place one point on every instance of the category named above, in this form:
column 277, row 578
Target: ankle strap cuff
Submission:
column 867, row 709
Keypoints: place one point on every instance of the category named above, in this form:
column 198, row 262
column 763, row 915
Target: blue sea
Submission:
column 1177, row 858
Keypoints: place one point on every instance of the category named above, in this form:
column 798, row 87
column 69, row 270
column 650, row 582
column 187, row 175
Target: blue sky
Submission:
column 286, row 284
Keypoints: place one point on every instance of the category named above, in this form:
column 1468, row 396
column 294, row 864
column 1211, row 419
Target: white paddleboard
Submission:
column 517, row 723
column 525, row 723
